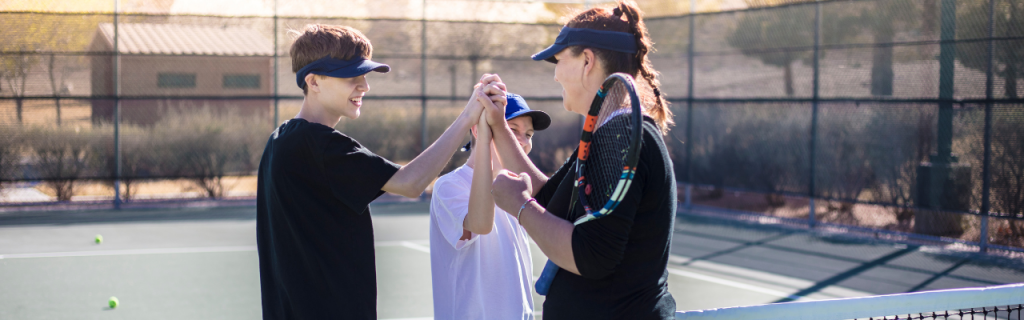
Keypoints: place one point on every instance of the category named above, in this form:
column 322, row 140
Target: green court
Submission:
column 202, row 264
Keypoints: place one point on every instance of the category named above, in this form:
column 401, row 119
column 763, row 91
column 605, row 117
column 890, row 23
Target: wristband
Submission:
column 521, row 210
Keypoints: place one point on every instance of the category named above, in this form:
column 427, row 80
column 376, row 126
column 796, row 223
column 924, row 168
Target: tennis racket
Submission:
column 607, row 157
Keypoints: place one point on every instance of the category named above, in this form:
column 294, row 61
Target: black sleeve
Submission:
column 548, row 190
column 598, row 246
column 355, row 174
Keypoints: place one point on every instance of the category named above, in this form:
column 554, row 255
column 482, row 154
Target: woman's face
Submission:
column 572, row 72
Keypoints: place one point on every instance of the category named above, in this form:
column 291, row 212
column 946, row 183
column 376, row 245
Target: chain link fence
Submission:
column 901, row 116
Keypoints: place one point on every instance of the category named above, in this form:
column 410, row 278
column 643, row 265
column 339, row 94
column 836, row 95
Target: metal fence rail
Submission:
column 908, row 111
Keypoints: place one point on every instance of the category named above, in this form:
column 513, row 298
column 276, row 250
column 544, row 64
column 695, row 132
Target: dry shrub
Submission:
column 61, row 156
column 10, row 147
column 203, row 146
column 1008, row 232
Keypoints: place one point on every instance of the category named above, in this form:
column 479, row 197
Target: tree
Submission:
column 15, row 69
column 972, row 23
column 463, row 40
column 58, row 70
column 36, row 38
column 782, row 36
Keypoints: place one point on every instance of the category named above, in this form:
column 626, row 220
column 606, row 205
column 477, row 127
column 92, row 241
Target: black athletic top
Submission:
column 313, row 226
column 622, row 257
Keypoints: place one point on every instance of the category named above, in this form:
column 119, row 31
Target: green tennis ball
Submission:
column 113, row 302
column 99, row 239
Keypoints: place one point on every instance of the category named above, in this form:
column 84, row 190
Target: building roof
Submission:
column 145, row 38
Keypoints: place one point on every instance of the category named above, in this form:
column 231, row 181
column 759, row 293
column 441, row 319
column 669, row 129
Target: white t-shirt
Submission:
column 489, row 276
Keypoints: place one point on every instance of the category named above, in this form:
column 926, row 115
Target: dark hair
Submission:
column 626, row 17
column 320, row 40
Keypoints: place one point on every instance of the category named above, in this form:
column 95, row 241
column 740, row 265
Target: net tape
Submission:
column 972, row 303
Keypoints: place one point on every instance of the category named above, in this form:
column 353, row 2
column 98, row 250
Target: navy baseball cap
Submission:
column 609, row 40
column 517, row 107
column 338, row 68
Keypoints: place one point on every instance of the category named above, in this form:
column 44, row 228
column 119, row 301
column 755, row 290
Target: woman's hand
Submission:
column 511, row 190
column 495, row 88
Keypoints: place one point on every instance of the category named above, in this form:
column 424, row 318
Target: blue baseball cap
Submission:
column 609, row 40
column 517, row 107
column 338, row 68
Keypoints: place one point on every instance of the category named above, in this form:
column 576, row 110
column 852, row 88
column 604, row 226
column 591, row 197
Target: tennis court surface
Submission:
column 202, row 264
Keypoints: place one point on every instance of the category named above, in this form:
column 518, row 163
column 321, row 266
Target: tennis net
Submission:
column 996, row 302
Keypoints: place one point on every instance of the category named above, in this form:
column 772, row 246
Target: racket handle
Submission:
column 548, row 275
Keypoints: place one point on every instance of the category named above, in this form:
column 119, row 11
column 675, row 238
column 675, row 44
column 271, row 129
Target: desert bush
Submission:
column 203, row 146
column 138, row 156
column 10, row 154
column 1008, row 171
column 897, row 139
column 61, row 156
column 757, row 147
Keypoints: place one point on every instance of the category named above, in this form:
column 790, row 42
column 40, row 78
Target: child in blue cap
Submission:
column 479, row 256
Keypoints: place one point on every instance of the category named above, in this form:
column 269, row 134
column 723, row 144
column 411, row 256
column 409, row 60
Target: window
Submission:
column 176, row 80
column 242, row 81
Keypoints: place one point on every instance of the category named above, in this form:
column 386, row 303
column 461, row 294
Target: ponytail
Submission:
column 657, row 105
column 626, row 17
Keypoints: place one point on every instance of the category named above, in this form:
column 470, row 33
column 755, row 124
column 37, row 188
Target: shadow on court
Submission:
column 825, row 260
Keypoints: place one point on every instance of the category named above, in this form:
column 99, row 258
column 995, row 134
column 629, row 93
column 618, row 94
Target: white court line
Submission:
column 126, row 252
column 414, row 246
column 407, row 244
column 535, row 313
column 731, row 283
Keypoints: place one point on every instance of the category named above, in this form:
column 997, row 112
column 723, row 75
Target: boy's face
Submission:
column 342, row 96
column 522, row 128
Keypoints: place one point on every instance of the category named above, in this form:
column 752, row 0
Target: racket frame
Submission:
column 583, row 154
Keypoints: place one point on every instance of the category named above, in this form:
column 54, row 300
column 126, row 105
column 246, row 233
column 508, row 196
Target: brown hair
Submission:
column 626, row 17
column 320, row 40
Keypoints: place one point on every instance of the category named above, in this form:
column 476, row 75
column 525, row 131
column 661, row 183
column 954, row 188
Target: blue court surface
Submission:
column 202, row 264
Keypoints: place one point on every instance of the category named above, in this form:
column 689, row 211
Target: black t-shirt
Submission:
column 622, row 257
column 313, row 226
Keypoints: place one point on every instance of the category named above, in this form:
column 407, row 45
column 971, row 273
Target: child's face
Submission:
column 522, row 128
column 343, row 96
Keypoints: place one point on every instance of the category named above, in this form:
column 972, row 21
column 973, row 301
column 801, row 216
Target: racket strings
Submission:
column 609, row 146
column 616, row 102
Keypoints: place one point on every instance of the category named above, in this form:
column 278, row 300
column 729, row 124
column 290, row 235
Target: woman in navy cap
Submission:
column 614, row 267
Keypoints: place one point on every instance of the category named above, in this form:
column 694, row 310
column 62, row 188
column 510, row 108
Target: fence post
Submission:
column 814, row 111
column 689, row 109
column 986, row 173
column 117, row 114
column 423, row 78
column 277, row 110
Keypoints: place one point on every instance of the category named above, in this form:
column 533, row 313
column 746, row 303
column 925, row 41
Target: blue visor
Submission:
column 332, row 67
column 608, row 40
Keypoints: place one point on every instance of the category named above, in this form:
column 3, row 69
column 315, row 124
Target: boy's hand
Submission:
column 474, row 108
column 511, row 190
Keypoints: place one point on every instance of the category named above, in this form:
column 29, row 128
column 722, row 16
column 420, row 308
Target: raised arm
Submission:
column 480, row 219
column 510, row 154
column 413, row 178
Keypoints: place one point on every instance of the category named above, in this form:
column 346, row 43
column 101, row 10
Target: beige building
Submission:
column 205, row 65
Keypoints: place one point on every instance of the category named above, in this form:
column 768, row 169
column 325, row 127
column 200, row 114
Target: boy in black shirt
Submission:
column 314, row 233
